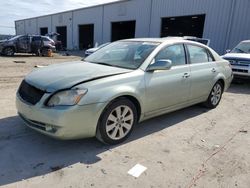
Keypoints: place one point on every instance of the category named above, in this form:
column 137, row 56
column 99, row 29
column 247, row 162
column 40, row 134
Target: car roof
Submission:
column 159, row 40
column 245, row 41
column 166, row 40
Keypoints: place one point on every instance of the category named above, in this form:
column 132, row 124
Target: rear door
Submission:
column 203, row 71
column 36, row 44
column 168, row 88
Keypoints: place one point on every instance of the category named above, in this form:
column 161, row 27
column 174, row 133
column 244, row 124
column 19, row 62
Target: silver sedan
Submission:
column 123, row 83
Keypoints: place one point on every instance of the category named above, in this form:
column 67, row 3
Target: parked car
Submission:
column 26, row 44
column 239, row 58
column 120, row 85
column 92, row 50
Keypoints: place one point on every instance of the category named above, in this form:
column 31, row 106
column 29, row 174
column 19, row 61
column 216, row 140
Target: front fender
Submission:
column 108, row 89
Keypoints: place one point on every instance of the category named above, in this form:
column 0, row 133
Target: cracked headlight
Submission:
column 67, row 97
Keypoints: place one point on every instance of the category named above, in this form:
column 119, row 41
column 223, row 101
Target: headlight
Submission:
column 67, row 97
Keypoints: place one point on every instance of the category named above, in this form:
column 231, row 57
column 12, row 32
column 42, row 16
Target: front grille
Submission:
column 29, row 93
column 240, row 70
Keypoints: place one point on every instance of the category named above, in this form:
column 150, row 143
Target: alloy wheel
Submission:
column 216, row 94
column 8, row 51
column 119, row 122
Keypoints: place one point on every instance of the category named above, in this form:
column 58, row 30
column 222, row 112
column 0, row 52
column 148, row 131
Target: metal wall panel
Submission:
column 20, row 28
column 138, row 10
column 44, row 21
column 227, row 21
column 216, row 23
column 88, row 16
column 64, row 19
column 31, row 26
column 240, row 26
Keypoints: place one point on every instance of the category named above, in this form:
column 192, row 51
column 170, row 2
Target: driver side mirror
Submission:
column 228, row 51
column 160, row 65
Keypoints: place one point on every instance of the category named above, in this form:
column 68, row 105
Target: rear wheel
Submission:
column 117, row 122
column 8, row 51
column 215, row 96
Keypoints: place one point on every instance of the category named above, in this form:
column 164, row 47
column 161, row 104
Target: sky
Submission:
column 11, row 10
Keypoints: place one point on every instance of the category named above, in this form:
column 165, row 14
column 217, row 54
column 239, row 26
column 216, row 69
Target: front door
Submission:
column 168, row 88
column 23, row 44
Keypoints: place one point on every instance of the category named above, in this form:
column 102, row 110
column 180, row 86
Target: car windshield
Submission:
column 123, row 54
column 243, row 47
column 101, row 46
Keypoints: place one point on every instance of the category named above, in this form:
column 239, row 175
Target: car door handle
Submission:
column 213, row 70
column 186, row 75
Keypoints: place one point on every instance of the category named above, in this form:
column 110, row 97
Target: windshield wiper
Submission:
column 107, row 64
column 101, row 63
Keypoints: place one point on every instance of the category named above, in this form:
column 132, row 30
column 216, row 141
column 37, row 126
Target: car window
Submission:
column 124, row 54
column 23, row 39
column 198, row 54
column 36, row 38
column 243, row 47
column 118, row 54
column 175, row 53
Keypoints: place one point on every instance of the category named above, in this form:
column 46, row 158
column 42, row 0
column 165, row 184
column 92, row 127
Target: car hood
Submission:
column 3, row 41
column 237, row 56
column 67, row 75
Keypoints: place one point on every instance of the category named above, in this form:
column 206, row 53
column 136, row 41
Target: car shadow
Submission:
column 25, row 153
column 21, row 55
column 240, row 87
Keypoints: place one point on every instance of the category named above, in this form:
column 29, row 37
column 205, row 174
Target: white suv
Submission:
column 239, row 59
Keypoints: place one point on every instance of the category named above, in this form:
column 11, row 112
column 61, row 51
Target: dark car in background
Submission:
column 239, row 58
column 34, row 44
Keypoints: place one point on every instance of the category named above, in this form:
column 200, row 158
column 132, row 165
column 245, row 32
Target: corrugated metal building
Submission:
column 224, row 22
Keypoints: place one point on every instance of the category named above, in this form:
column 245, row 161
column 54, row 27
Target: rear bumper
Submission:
column 63, row 122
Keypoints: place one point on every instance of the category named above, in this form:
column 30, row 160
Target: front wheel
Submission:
column 215, row 96
column 8, row 51
column 117, row 122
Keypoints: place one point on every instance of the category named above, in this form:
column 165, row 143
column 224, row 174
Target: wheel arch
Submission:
column 131, row 98
column 222, row 81
column 220, row 78
column 13, row 47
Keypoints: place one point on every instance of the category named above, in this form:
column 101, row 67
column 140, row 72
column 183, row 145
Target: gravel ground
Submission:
column 193, row 147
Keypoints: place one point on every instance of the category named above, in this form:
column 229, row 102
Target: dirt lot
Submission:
column 193, row 147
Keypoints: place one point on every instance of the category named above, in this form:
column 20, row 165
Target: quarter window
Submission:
column 174, row 53
column 198, row 54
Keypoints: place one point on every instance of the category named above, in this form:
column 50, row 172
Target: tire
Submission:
column 38, row 53
column 8, row 51
column 44, row 51
column 215, row 96
column 114, row 128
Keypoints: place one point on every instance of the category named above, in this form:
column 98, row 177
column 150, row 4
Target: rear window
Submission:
column 199, row 54
column 36, row 38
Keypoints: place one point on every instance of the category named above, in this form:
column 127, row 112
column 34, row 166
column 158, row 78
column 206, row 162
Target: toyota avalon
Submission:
column 123, row 83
